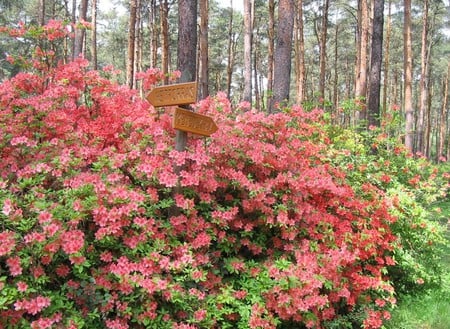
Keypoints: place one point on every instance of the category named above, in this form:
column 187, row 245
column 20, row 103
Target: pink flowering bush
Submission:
column 262, row 231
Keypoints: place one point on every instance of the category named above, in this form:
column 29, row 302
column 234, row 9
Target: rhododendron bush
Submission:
column 262, row 231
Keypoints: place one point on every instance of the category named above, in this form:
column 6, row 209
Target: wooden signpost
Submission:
column 192, row 122
column 184, row 120
column 177, row 94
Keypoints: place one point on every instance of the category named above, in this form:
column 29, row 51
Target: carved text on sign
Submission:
column 178, row 94
column 193, row 122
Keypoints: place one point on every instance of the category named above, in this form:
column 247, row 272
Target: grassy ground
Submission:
column 428, row 311
column 432, row 309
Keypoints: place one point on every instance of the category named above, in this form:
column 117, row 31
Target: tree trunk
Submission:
column 231, row 47
column 138, row 45
column 187, row 40
column 41, row 12
column 204, row 82
column 248, row 43
column 300, row 53
column 255, row 71
column 376, row 60
column 362, row 56
column 423, row 81
column 270, row 55
column 282, row 62
column 187, row 48
column 409, row 111
column 80, row 33
column 164, row 13
column 131, row 44
column 440, row 156
column 335, row 73
column 94, row 59
column 153, row 33
column 323, row 48
column 386, row 60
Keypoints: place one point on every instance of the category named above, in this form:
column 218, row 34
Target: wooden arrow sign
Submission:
column 177, row 94
column 193, row 122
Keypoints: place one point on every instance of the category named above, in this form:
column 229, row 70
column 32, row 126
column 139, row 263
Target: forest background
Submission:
column 87, row 170
column 325, row 57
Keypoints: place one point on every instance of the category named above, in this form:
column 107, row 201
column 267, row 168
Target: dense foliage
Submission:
column 261, row 229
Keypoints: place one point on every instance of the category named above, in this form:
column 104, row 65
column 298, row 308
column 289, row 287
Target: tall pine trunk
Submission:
column 248, row 44
column 376, row 60
column 153, row 30
column 299, row 53
column 164, row 17
column 423, row 88
column 323, row 48
column 443, row 119
column 131, row 44
column 231, row 48
column 407, row 53
column 386, row 61
column 362, row 56
column 283, row 49
column 270, row 51
column 80, row 33
column 187, row 52
column 41, row 12
column 204, row 82
column 94, row 59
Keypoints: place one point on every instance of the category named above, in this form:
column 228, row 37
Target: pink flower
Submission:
column 202, row 240
column 7, row 207
column 197, row 275
column 373, row 320
column 15, row 268
column 32, row 306
column 72, row 241
column 22, row 286
column 240, row 294
column 200, row 315
column 7, row 242
column 45, row 217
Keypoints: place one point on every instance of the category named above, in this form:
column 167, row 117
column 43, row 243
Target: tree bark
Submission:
column 270, row 55
column 407, row 53
column 386, row 60
column 164, row 13
column 153, row 33
column 80, row 32
column 248, row 44
column 283, row 49
column 187, row 40
column 94, row 59
column 443, row 120
column 41, row 12
column 255, row 71
column 187, row 53
column 204, row 73
column 231, row 47
column 138, row 45
column 300, row 53
column 362, row 56
column 423, row 84
column 131, row 44
column 376, row 60
column 323, row 48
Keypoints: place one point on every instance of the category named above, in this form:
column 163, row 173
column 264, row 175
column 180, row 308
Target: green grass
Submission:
column 427, row 311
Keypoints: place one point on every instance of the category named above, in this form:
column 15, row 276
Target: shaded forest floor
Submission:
column 431, row 309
